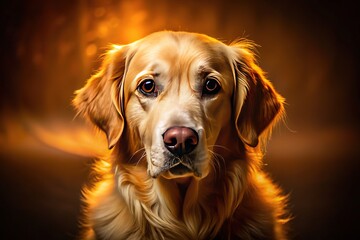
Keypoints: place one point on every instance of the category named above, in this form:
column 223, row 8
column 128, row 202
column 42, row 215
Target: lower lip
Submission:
column 183, row 180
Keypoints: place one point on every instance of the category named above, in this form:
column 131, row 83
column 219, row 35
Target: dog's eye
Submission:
column 211, row 86
column 147, row 87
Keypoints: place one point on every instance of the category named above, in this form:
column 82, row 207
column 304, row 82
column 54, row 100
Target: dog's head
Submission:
column 177, row 95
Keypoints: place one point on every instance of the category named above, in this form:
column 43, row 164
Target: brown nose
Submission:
column 180, row 140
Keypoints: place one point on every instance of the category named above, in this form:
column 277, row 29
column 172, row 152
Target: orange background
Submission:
column 309, row 50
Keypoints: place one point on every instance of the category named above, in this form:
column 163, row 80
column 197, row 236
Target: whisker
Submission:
column 136, row 152
column 212, row 164
column 218, row 162
column 220, row 146
column 142, row 156
column 215, row 163
column 141, row 149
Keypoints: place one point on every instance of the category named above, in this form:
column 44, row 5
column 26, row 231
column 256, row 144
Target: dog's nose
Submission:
column 180, row 140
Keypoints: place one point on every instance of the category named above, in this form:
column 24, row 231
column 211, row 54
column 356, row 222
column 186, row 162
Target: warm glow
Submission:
column 309, row 50
column 91, row 50
column 76, row 140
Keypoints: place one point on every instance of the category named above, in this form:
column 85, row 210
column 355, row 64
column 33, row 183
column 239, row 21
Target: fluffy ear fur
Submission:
column 257, row 103
column 101, row 98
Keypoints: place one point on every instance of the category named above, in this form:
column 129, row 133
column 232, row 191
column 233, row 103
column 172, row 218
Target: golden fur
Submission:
column 227, row 196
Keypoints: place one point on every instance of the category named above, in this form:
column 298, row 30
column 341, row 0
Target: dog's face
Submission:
column 175, row 94
column 178, row 97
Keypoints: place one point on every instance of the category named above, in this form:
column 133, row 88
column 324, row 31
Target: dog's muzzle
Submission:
column 180, row 141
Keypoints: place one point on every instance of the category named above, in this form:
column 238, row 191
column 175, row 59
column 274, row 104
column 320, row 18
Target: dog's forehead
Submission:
column 179, row 50
column 177, row 58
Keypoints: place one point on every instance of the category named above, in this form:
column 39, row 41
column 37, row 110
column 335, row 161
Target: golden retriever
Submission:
column 186, row 118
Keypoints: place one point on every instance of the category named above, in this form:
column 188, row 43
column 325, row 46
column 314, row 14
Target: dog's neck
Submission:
column 195, row 205
column 183, row 185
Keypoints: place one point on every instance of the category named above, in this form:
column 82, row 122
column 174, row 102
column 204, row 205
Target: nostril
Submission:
column 191, row 140
column 189, row 145
column 170, row 142
column 172, row 137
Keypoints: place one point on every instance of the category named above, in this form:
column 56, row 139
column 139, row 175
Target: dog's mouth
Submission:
column 175, row 167
column 180, row 169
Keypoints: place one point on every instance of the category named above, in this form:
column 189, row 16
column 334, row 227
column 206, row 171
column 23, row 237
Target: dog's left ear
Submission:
column 257, row 104
column 100, row 99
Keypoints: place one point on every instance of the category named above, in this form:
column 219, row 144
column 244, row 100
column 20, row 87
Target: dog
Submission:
column 186, row 118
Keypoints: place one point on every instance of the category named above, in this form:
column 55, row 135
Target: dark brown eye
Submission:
column 147, row 87
column 211, row 86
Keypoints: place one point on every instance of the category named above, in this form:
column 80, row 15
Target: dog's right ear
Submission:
column 101, row 99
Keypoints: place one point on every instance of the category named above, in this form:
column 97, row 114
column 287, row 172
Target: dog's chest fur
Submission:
column 121, row 208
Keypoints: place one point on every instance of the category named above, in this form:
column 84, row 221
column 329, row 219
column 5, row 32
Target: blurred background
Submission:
column 309, row 49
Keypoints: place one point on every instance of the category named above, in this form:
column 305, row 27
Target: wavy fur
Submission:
column 234, row 200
